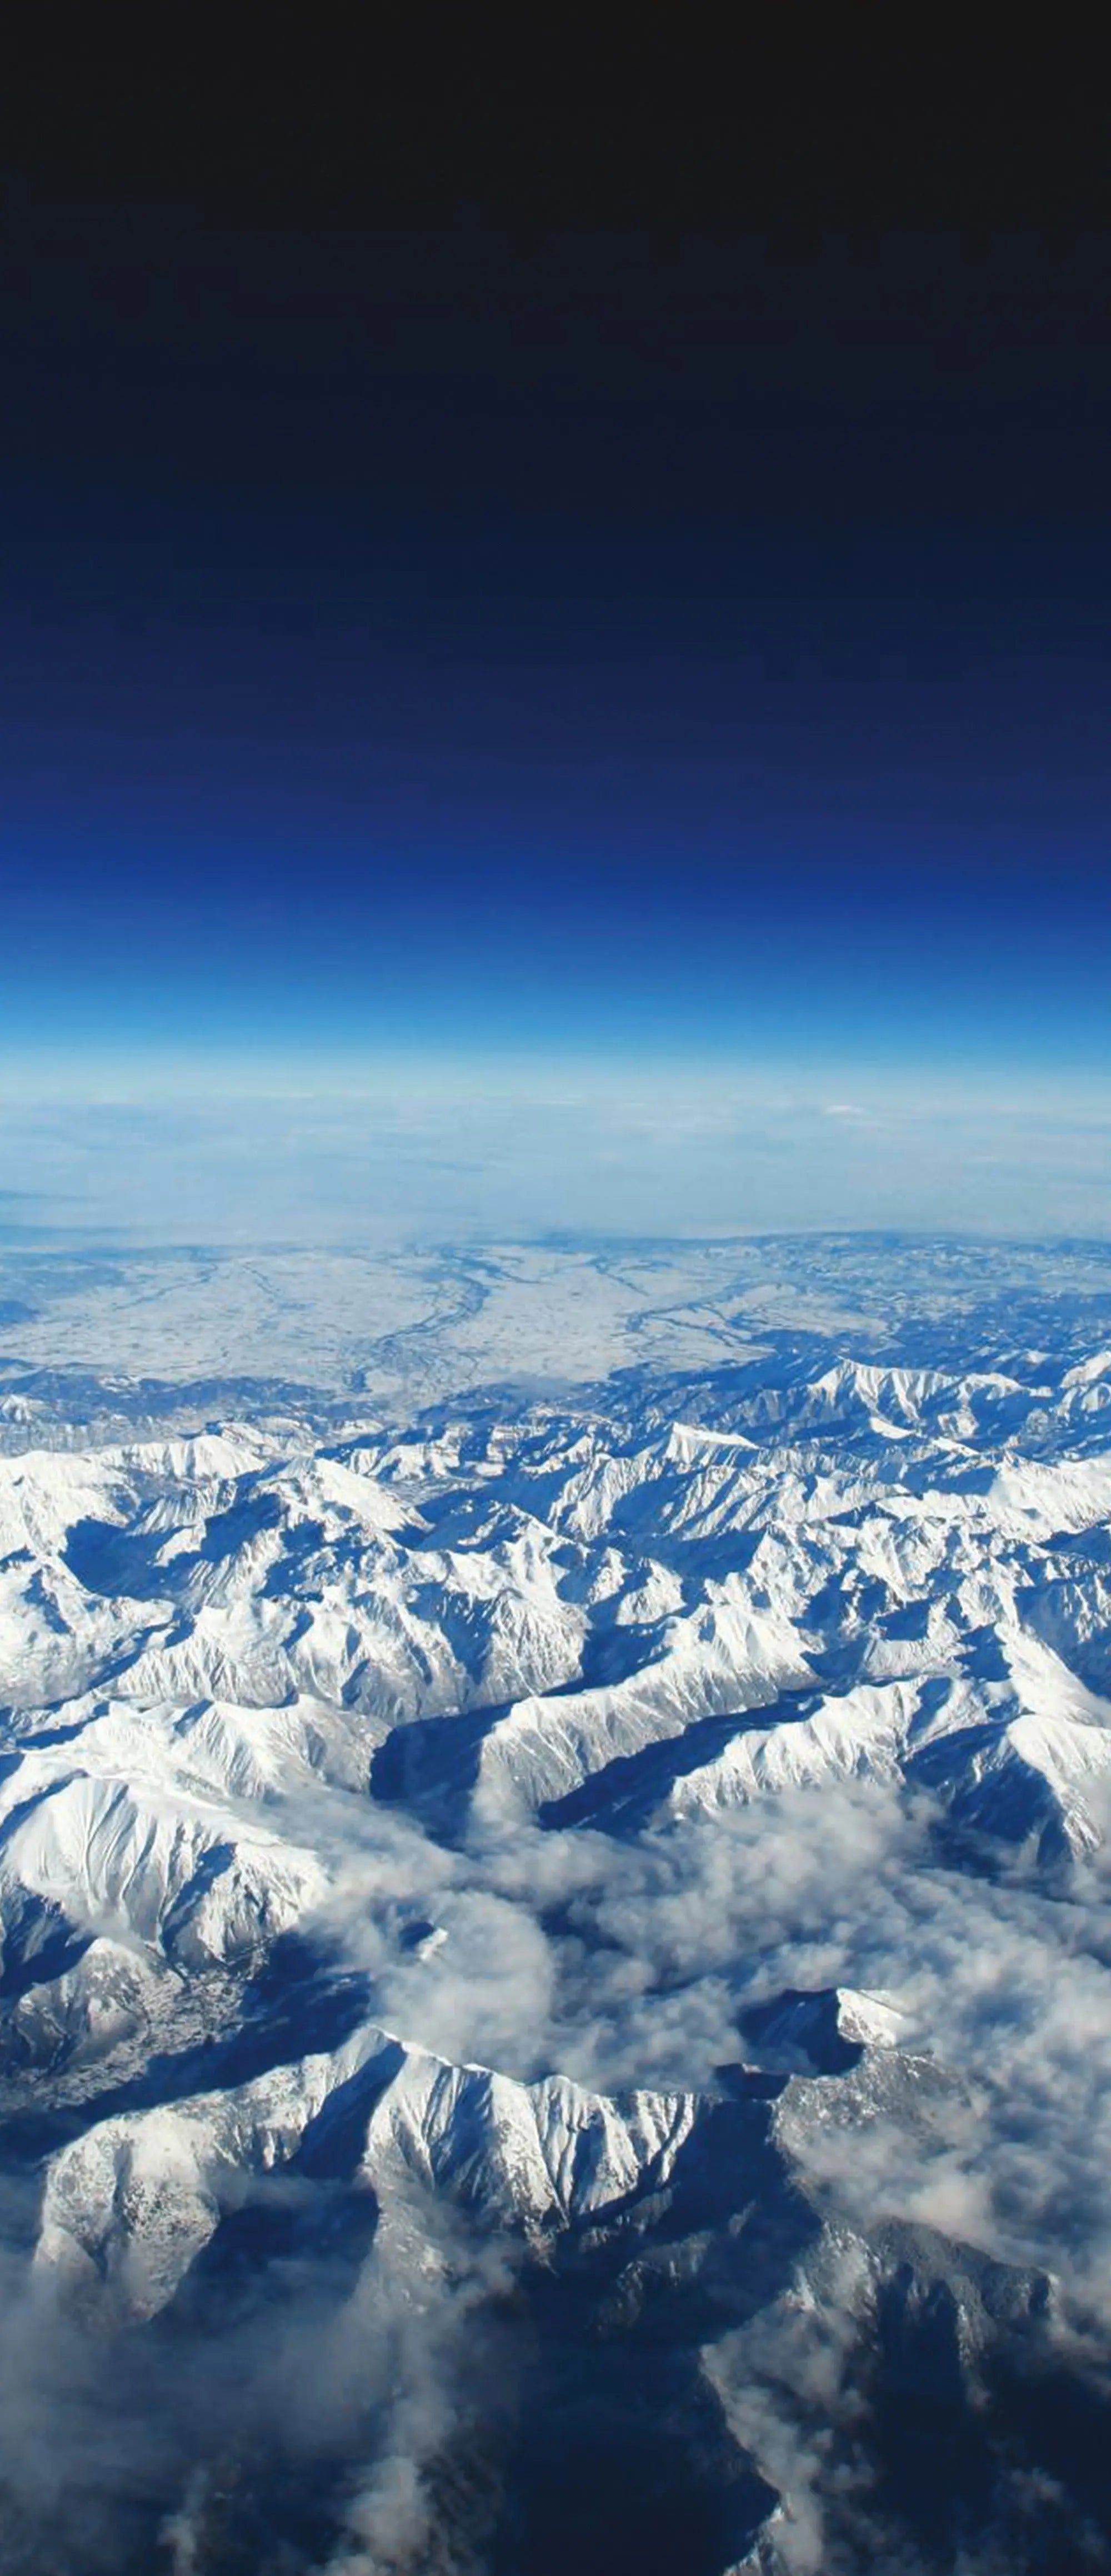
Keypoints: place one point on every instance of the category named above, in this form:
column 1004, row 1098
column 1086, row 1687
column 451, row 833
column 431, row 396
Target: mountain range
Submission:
column 449, row 1868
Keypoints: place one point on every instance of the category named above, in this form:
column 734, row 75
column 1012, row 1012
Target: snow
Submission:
column 197, row 1628
column 132, row 2202
column 253, row 1663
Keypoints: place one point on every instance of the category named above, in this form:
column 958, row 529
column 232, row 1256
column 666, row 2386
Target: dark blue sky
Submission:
column 468, row 636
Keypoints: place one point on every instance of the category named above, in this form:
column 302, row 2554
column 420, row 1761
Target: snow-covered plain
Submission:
column 553, row 1813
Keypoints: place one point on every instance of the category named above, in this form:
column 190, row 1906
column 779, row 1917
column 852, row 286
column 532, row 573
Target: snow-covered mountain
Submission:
column 423, row 1825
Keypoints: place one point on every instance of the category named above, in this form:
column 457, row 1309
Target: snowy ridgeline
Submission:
column 653, row 1833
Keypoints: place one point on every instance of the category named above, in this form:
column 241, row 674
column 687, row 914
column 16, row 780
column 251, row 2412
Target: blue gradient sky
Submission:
column 425, row 651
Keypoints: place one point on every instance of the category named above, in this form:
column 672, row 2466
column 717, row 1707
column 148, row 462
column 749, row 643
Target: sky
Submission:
column 521, row 622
